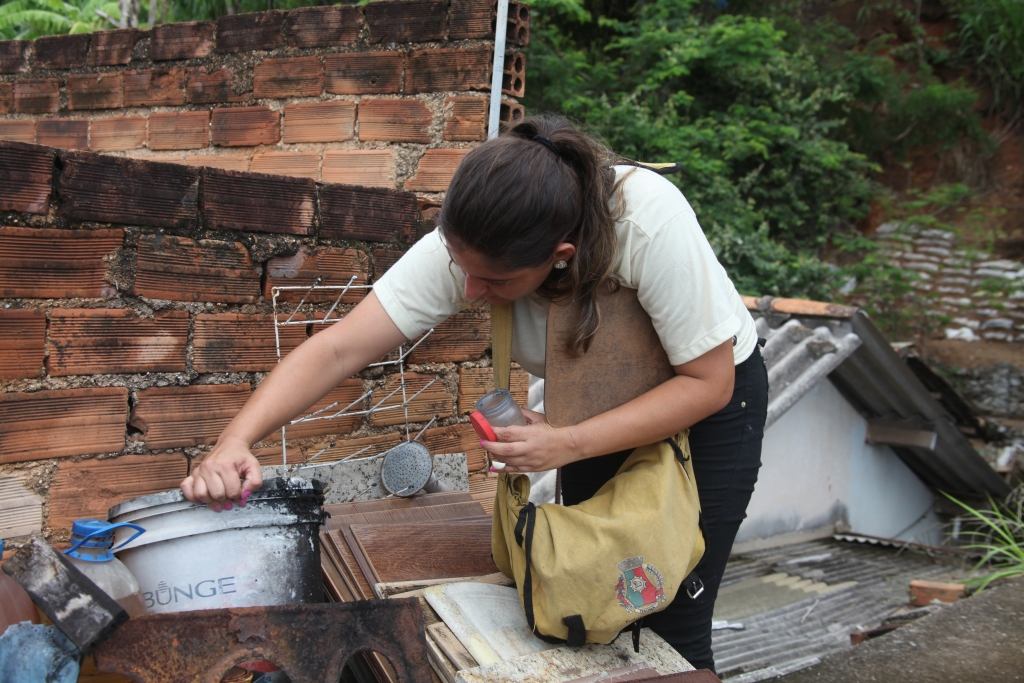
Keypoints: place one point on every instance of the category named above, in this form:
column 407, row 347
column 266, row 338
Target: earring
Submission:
column 561, row 265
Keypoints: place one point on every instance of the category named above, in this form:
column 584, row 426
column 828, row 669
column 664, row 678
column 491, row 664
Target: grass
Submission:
column 999, row 537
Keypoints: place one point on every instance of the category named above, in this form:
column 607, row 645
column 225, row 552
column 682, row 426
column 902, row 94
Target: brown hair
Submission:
column 513, row 199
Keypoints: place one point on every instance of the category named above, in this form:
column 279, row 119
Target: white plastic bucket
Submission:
column 191, row 558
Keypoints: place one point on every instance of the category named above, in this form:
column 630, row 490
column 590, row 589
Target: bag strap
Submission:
column 692, row 583
column 501, row 345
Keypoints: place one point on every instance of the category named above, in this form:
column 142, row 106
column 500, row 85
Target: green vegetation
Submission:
column 992, row 40
column 26, row 19
column 998, row 534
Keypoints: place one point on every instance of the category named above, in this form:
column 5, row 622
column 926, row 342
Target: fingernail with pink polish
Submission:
column 493, row 468
column 227, row 505
column 216, row 508
column 481, row 444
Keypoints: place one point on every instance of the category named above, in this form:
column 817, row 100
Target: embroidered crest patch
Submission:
column 640, row 586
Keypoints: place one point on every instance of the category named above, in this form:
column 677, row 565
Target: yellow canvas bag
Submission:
column 585, row 572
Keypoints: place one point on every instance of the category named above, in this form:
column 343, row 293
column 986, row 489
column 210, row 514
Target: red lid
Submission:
column 482, row 426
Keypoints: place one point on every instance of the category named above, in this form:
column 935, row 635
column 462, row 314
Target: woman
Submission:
column 538, row 214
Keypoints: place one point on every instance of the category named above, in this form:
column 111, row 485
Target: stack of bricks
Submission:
column 975, row 295
column 390, row 94
column 136, row 310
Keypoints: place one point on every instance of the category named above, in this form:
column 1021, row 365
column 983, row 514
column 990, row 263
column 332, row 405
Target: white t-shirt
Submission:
column 662, row 253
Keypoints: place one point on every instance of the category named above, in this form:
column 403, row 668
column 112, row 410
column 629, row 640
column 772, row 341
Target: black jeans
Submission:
column 726, row 450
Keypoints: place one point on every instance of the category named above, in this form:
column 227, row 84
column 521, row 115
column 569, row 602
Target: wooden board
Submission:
column 430, row 513
column 448, row 549
column 625, row 360
column 346, row 562
column 455, row 651
column 446, row 498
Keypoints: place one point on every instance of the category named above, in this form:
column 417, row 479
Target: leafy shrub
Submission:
column 992, row 39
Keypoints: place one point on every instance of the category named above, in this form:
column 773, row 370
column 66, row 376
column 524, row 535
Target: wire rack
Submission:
column 332, row 411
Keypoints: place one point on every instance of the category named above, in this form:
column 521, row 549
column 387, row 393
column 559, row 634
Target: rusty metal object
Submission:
column 311, row 643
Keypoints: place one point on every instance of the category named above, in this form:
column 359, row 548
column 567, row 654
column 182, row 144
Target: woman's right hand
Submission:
column 225, row 477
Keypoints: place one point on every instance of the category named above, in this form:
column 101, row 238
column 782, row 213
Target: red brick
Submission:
column 56, row 424
column 365, row 213
column 6, row 98
column 406, row 21
column 518, row 31
column 511, row 112
column 435, row 171
column 113, row 48
column 258, row 203
column 246, row 32
column 433, row 401
column 52, row 264
column 298, row 164
column 172, row 417
column 26, row 174
column 343, row 395
column 344, row 448
column 924, row 592
column 394, row 121
column 95, row 187
column 449, row 70
column 179, row 130
column 96, row 91
column 63, row 133
column 12, row 55
column 457, row 438
column 90, row 487
column 22, row 343
column 117, row 133
column 224, row 162
column 323, row 26
column 367, row 167
column 467, row 121
column 245, row 127
column 186, row 40
column 154, row 88
column 62, row 52
column 383, row 259
column 116, row 341
column 332, row 265
column 513, row 80
column 475, row 382
column 38, row 96
column 464, row 336
column 180, row 269
column 471, row 19
column 319, row 122
column 289, row 77
column 235, row 342
column 364, row 73
column 17, row 130
column 216, row 87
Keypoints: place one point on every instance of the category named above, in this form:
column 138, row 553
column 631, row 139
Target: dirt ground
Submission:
column 977, row 639
column 953, row 354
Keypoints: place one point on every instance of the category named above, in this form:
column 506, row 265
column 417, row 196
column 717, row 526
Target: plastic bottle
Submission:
column 92, row 542
column 15, row 604
column 496, row 409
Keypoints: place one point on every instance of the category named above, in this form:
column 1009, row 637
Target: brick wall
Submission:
column 154, row 187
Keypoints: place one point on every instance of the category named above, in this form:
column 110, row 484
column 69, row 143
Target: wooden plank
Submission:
column 181, row 269
column 334, row 581
column 449, row 70
column 58, row 423
column 408, row 589
column 435, row 400
column 26, row 174
column 90, row 487
column 253, row 202
column 404, row 552
column 171, row 417
column 94, row 187
column 44, row 264
column 463, row 336
column 896, row 433
column 236, row 342
column 22, row 343
column 367, row 213
column 439, row 664
column 333, row 265
column 426, row 500
column 362, row 587
column 427, row 513
column 116, row 341
column 22, row 510
column 322, row 26
column 455, row 651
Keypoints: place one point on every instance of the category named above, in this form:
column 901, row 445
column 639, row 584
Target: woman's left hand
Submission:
column 536, row 447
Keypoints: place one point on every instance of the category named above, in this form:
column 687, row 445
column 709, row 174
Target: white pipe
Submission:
column 497, row 69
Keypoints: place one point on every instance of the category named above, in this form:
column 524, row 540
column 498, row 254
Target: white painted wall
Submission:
column 817, row 470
